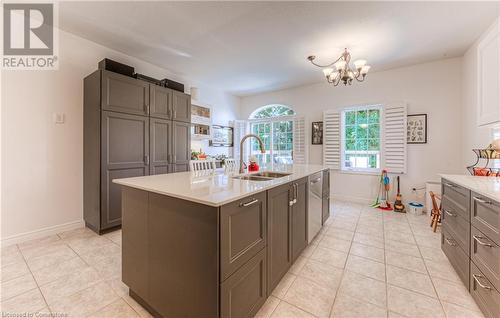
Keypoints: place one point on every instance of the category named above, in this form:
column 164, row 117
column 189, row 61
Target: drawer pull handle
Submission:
column 450, row 242
column 450, row 185
column 249, row 203
column 478, row 239
column 476, row 278
column 481, row 200
column 449, row 213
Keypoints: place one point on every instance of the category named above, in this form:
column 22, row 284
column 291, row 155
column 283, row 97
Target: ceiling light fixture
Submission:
column 342, row 71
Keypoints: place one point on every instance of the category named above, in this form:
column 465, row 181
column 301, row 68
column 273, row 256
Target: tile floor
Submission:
column 364, row 263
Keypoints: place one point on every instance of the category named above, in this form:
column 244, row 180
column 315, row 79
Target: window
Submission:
column 361, row 138
column 274, row 124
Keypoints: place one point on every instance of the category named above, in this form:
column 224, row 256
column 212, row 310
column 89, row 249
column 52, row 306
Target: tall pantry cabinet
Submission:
column 131, row 128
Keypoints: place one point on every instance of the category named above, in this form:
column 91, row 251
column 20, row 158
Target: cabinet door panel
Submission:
column 160, row 139
column 124, row 145
column 458, row 259
column 181, row 142
column 485, row 216
column 243, row 232
column 279, row 225
column 183, row 167
column 299, row 219
column 245, row 291
column 161, row 102
column 124, row 94
column 181, row 105
column 483, row 292
column 486, row 255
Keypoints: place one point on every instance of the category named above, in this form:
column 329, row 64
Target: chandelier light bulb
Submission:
column 340, row 65
column 365, row 69
column 359, row 64
column 328, row 71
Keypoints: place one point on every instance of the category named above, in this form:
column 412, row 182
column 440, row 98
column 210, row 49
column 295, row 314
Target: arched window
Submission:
column 269, row 111
column 274, row 124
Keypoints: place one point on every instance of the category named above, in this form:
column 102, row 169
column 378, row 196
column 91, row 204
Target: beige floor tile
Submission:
column 370, row 230
column 282, row 287
column 417, row 282
column 40, row 242
column 404, row 248
column 392, row 314
column 29, row 302
column 454, row 293
column 409, row 262
column 117, row 309
column 110, row 267
column 399, row 237
column 370, row 252
column 411, row 304
column 70, row 284
column 335, row 244
column 366, row 267
column 432, row 254
column 51, row 259
column 398, row 227
column 101, row 253
column 115, row 236
column 14, row 270
column 80, row 232
column 455, row 311
column 45, row 250
column 118, row 286
column 442, row 270
column 339, row 233
column 297, row 266
column 51, row 273
column 17, row 286
column 433, row 241
column 88, row 244
column 86, row 301
column 364, row 289
column 285, row 310
column 370, row 240
column 344, row 225
column 143, row 313
column 309, row 250
column 268, row 308
column 311, row 297
column 349, row 307
column 323, row 274
column 11, row 255
column 330, row 257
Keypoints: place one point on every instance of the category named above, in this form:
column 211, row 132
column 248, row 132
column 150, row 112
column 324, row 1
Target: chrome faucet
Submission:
column 261, row 145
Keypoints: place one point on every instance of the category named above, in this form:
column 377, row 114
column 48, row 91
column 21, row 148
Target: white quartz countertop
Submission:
column 487, row 186
column 215, row 189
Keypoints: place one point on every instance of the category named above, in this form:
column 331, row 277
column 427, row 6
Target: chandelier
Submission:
column 343, row 71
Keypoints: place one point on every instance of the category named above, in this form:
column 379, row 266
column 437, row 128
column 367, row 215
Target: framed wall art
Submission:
column 222, row 136
column 416, row 132
column 317, row 133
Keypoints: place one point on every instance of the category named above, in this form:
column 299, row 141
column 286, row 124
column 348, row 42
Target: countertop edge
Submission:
column 458, row 179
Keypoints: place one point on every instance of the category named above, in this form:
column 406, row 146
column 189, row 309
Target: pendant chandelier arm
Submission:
column 326, row 65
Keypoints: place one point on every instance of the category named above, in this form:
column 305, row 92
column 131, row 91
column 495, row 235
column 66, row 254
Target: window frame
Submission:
column 271, row 121
column 367, row 107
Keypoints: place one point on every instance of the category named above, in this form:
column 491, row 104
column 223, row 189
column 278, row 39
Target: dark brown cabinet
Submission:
column 161, row 102
column 243, row 232
column 181, row 107
column 299, row 218
column 124, row 94
column 286, row 228
column 128, row 132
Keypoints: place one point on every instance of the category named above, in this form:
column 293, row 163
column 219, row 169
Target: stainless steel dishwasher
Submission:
column 315, row 205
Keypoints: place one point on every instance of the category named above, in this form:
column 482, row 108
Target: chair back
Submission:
column 202, row 165
column 435, row 206
column 229, row 164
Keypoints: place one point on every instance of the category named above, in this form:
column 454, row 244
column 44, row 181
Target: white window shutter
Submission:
column 299, row 140
column 331, row 139
column 241, row 128
column 395, row 137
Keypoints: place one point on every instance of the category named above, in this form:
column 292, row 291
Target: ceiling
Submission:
column 251, row 47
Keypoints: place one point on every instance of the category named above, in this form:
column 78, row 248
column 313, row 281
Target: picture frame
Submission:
column 222, row 136
column 416, row 131
column 317, row 133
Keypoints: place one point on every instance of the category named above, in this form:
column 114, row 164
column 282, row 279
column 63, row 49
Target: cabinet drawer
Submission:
column 458, row 259
column 456, row 224
column 457, row 194
column 483, row 292
column 486, row 254
column 243, row 232
column 485, row 216
column 245, row 291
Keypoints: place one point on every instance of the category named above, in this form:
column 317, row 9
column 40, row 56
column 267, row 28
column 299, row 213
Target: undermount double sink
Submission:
column 262, row 176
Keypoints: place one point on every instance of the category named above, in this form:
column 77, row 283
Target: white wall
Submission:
column 431, row 88
column 42, row 166
column 472, row 135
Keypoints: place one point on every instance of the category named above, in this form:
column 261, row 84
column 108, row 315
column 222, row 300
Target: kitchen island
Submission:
column 213, row 245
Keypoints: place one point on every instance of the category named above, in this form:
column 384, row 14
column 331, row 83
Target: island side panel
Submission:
column 183, row 257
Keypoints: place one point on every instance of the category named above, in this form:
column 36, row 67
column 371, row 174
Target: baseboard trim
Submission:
column 51, row 230
column 349, row 198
